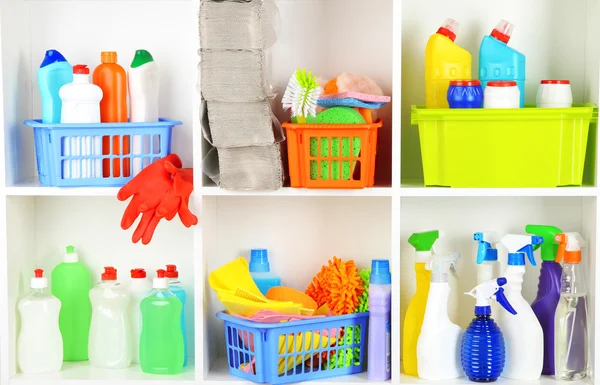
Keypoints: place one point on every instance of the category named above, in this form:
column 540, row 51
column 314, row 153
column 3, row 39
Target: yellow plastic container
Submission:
column 444, row 61
column 521, row 147
column 414, row 319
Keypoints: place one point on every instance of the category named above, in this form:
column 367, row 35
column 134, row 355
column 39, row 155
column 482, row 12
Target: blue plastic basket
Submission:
column 78, row 155
column 255, row 343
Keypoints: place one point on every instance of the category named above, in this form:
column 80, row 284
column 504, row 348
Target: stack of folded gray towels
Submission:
column 236, row 96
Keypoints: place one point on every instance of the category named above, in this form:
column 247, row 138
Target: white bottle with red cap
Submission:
column 139, row 288
column 110, row 332
column 40, row 344
column 554, row 94
column 501, row 94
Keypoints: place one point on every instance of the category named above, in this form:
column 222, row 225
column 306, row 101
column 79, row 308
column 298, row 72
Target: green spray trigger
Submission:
column 549, row 248
column 424, row 241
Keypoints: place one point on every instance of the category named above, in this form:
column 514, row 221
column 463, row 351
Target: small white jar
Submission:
column 554, row 94
column 501, row 94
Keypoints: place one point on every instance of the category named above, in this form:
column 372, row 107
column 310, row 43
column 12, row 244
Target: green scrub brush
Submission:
column 347, row 357
column 363, row 300
column 301, row 96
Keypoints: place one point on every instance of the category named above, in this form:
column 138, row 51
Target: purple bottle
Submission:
column 548, row 295
column 380, row 306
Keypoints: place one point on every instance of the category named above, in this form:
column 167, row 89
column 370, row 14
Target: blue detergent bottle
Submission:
column 177, row 288
column 482, row 349
column 260, row 270
column 498, row 61
column 54, row 72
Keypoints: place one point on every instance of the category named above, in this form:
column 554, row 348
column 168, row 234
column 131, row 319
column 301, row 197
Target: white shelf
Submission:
column 498, row 192
column 32, row 187
column 81, row 371
column 544, row 380
column 288, row 191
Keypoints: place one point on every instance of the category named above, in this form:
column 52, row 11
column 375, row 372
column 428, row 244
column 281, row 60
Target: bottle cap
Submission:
column 449, row 29
column 138, row 273
column 503, row 31
column 108, row 57
column 141, row 57
column 549, row 247
column 569, row 247
column 465, row 83
column 81, row 69
column 502, row 83
column 423, row 243
column 380, row 272
column 171, row 272
column 555, row 82
column 71, row 256
column 486, row 250
column 39, row 281
column 259, row 261
column 160, row 281
column 519, row 246
column 110, row 274
column 483, row 292
column 52, row 56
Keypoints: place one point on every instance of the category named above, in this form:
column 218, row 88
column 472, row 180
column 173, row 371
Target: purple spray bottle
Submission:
column 544, row 305
column 380, row 307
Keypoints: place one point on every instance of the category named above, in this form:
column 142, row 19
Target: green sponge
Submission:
column 346, row 357
column 363, row 300
column 340, row 115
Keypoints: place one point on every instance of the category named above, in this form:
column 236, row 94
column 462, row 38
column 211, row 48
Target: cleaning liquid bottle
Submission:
column 438, row 348
column 523, row 333
column 260, row 270
column 110, row 335
column 482, row 349
column 39, row 345
column 54, row 72
column 548, row 294
column 139, row 288
column 380, row 328
column 444, row 61
column 177, row 288
column 498, row 61
column 80, row 99
column 143, row 81
column 413, row 321
column 488, row 266
column 571, row 336
column 112, row 79
column 161, row 342
column 71, row 283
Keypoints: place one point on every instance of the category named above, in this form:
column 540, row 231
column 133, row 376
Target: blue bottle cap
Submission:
column 380, row 272
column 259, row 261
column 52, row 56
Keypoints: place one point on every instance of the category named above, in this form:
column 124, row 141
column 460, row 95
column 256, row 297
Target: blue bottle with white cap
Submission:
column 260, row 270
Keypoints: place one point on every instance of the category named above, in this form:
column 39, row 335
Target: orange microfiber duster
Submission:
column 339, row 285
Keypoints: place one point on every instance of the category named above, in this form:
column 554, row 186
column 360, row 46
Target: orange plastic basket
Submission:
column 332, row 155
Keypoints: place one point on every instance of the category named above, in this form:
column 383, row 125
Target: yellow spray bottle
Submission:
column 423, row 243
column 444, row 61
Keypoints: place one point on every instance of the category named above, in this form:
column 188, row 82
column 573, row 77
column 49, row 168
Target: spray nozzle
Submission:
column 482, row 293
column 549, row 248
column 486, row 251
column 520, row 245
column 441, row 263
column 423, row 243
column 569, row 247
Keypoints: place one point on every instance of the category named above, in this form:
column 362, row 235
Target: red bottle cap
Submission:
column 171, row 272
column 160, row 273
column 39, row 273
column 502, row 83
column 110, row 274
column 503, row 31
column 138, row 273
column 81, row 69
column 464, row 83
column 556, row 82
column 446, row 32
column 449, row 29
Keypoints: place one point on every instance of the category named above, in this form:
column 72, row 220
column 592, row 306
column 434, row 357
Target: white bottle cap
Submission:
column 71, row 256
column 39, row 281
column 160, row 282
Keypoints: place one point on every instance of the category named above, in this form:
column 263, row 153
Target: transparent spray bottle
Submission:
column 571, row 318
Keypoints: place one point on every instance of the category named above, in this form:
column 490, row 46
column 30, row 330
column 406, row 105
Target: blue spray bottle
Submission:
column 54, row 72
column 482, row 350
column 498, row 61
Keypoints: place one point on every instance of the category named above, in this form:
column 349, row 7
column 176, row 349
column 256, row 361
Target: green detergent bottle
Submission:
column 161, row 340
column 71, row 285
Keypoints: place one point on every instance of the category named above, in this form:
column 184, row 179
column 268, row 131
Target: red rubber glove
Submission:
column 148, row 189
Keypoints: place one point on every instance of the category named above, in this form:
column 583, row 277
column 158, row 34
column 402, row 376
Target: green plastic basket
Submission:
column 523, row 147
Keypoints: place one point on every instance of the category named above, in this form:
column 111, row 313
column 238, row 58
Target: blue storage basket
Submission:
column 248, row 342
column 73, row 155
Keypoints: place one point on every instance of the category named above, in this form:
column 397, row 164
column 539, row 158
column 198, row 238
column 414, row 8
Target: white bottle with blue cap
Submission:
column 523, row 333
column 380, row 307
column 260, row 270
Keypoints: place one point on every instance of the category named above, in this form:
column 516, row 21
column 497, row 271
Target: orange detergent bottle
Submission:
column 112, row 79
column 444, row 61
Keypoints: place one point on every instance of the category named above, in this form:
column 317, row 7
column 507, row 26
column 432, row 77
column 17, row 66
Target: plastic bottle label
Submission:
column 388, row 350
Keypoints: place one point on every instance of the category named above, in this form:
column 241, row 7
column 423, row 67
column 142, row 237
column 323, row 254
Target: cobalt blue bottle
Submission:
column 465, row 94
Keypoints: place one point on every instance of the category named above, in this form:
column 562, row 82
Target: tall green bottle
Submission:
column 161, row 340
column 71, row 285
